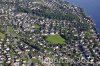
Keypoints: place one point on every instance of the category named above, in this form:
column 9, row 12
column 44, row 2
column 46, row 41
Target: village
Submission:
column 25, row 37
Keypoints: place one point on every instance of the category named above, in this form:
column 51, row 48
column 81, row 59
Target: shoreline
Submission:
column 86, row 15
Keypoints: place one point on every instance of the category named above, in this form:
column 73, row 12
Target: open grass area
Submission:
column 11, row 30
column 37, row 26
column 2, row 35
column 34, row 60
column 63, row 64
column 55, row 39
column 88, row 34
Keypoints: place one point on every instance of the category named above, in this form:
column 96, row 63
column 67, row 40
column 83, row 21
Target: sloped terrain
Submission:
column 34, row 29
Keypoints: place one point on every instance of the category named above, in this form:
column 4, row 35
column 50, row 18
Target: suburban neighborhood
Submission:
column 33, row 29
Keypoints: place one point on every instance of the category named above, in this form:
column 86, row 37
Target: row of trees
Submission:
column 47, row 13
column 55, row 15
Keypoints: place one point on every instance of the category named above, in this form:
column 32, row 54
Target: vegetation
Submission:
column 55, row 15
column 11, row 30
column 34, row 60
column 55, row 39
column 47, row 13
column 37, row 26
column 2, row 35
column 21, row 9
column 88, row 34
column 62, row 64
column 4, row 63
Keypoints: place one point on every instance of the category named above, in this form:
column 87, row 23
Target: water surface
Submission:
column 91, row 8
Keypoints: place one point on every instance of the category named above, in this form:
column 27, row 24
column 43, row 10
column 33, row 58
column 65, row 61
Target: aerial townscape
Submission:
column 31, row 30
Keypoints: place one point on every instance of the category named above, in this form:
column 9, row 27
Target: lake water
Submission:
column 91, row 8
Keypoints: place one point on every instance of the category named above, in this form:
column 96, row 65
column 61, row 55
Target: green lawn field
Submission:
column 55, row 39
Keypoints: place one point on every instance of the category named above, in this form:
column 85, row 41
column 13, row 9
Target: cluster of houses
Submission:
column 21, row 49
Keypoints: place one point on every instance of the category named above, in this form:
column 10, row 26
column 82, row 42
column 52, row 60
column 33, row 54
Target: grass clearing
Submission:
column 2, row 35
column 11, row 30
column 37, row 26
column 55, row 39
column 35, row 60
column 88, row 34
